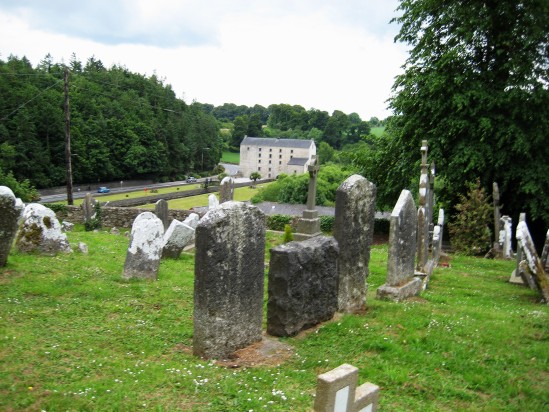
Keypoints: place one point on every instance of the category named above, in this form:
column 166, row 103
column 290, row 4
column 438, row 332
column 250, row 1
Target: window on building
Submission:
column 270, row 156
column 291, row 151
column 259, row 155
column 248, row 148
column 270, row 150
column 279, row 150
column 260, row 149
column 279, row 162
column 269, row 170
column 280, row 156
column 269, row 162
column 291, row 157
column 259, row 161
column 259, row 168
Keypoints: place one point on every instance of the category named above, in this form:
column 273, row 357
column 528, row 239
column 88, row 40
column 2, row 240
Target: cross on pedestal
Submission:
column 309, row 225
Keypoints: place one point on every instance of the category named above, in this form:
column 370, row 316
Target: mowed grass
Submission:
column 230, row 157
column 75, row 336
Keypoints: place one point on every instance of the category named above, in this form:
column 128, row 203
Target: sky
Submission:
column 323, row 54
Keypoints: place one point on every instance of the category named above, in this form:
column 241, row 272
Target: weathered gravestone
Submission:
column 422, row 212
column 145, row 249
column 516, row 278
column 212, row 202
column 534, row 264
column 505, row 237
column 192, row 220
column 229, row 278
column 176, row 238
column 161, row 211
column 41, row 231
column 337, row 391
column 401, row 282
column 545, row 254
column 309, row 224
column 302, row 285
column 10, row 210
column 354, row 230
column 88, row 207
column 226, row 190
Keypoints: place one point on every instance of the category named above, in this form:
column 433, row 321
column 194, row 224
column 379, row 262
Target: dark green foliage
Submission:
column 469, row 231
column 57, row 207
column 96, row 221
column 475, row 86
column 278, row 222
column 288, row 235
column 327, row 223
column 23, row 190
column 382, row 226
column 123, row 125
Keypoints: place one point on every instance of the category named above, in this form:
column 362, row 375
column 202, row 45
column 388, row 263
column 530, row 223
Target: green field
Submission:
column 230, row 157
column 377, row 131
column 76, row 336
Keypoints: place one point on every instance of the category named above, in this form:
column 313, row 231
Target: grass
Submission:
column 378, row 131
column 78, row 337
column 230, row 157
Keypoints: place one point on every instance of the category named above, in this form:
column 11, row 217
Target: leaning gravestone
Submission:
column 354, row 230
column 226, row 190
column 145, row 249
column 41, row 231
column 530, row 255
column 401, row 282
column 302, row 285
column 161, row 211
column 10, row 210
column 229, row 277
column 176, row 238
column 212, row 202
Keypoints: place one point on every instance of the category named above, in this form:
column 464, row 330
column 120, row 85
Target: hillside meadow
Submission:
column 75, row 336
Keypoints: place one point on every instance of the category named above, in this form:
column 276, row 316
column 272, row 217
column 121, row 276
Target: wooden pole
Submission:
column 68, row 155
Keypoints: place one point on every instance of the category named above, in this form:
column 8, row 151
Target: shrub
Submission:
column 327, row 223
column 96, row 221
column 23, row 190
column 288, row 235
column 278, row 222
column 470, row 232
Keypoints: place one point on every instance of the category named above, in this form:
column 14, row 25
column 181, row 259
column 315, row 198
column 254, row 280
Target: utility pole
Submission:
column 68, row 138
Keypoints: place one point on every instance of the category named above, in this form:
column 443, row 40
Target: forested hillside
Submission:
column 123, row 125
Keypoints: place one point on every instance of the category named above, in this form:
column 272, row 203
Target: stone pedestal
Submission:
column 308, row 226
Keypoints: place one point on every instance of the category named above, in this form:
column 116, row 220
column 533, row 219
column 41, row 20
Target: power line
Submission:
column 27, row 102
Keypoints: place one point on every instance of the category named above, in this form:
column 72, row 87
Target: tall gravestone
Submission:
column 401, row 282
column 161, row 211
column 10, row 210
column 354, row 230
column 40, row 231
column 229, row 278
column 533, row 262
column 497, row 219
column 302, row 285
column 506, row 233
column 545, row 254
column 515, row 275
column 309, row 224
column 226, row 190
column 422, row 212
column 88, row 207
column 145, row 249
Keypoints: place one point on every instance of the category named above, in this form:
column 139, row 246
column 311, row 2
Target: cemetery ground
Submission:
column 76, row 336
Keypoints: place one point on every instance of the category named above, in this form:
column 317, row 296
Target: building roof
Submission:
column 298, row 161
column 272, row 142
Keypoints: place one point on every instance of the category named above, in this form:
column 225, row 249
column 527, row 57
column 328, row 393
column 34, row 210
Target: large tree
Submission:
column 475, row 86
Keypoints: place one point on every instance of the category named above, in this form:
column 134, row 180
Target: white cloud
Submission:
column 313, row 53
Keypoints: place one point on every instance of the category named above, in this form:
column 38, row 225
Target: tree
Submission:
column 255, row 176
column 476, row 87
column 239, row 131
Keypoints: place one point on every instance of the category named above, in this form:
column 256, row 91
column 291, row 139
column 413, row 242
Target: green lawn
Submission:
column 230, row 157
column 75, row 336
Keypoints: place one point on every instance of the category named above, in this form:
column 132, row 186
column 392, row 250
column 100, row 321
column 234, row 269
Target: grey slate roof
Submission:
column 272, row 142
column 298, row 161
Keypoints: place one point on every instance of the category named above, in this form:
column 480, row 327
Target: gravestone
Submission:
column 545, row 254
column 67, row 226
column 337, row 391
column 41, row 231
column 212, row 202
column 354, row 230
column 145, row 249
column 506, row 234
column 229, row 278
column 302, row 285
column 530, row 255
column 516, row 278
column 10, row 210
column 437, row 244
column 192, row 220
column 88, row 207
column 401, row 282
column 497, row 219
column 176, row 238
column 422, row 212
column 161, row 211
column 226, row 191
column 309, row 224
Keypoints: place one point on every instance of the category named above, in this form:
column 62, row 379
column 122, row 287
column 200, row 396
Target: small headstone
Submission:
column 212, row 202
column 226, row 190
column 10, row 211
column 82, row 247
column 67, row 226
column 41, row 231
column 192, row 220
column 114, row 231
column 354, row 230
column 229, row 278
column 176, row 238
column 337, row 391
column 401, row 282
column 161, row 211
column 302, row 285
column 534, row 263
column 145, row 249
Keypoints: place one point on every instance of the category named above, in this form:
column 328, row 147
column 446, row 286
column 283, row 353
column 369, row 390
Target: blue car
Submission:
column 103, row 189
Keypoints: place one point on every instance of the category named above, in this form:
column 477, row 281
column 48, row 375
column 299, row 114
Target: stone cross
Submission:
column 313, row 168
column 337, row 391
column 309, row 225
